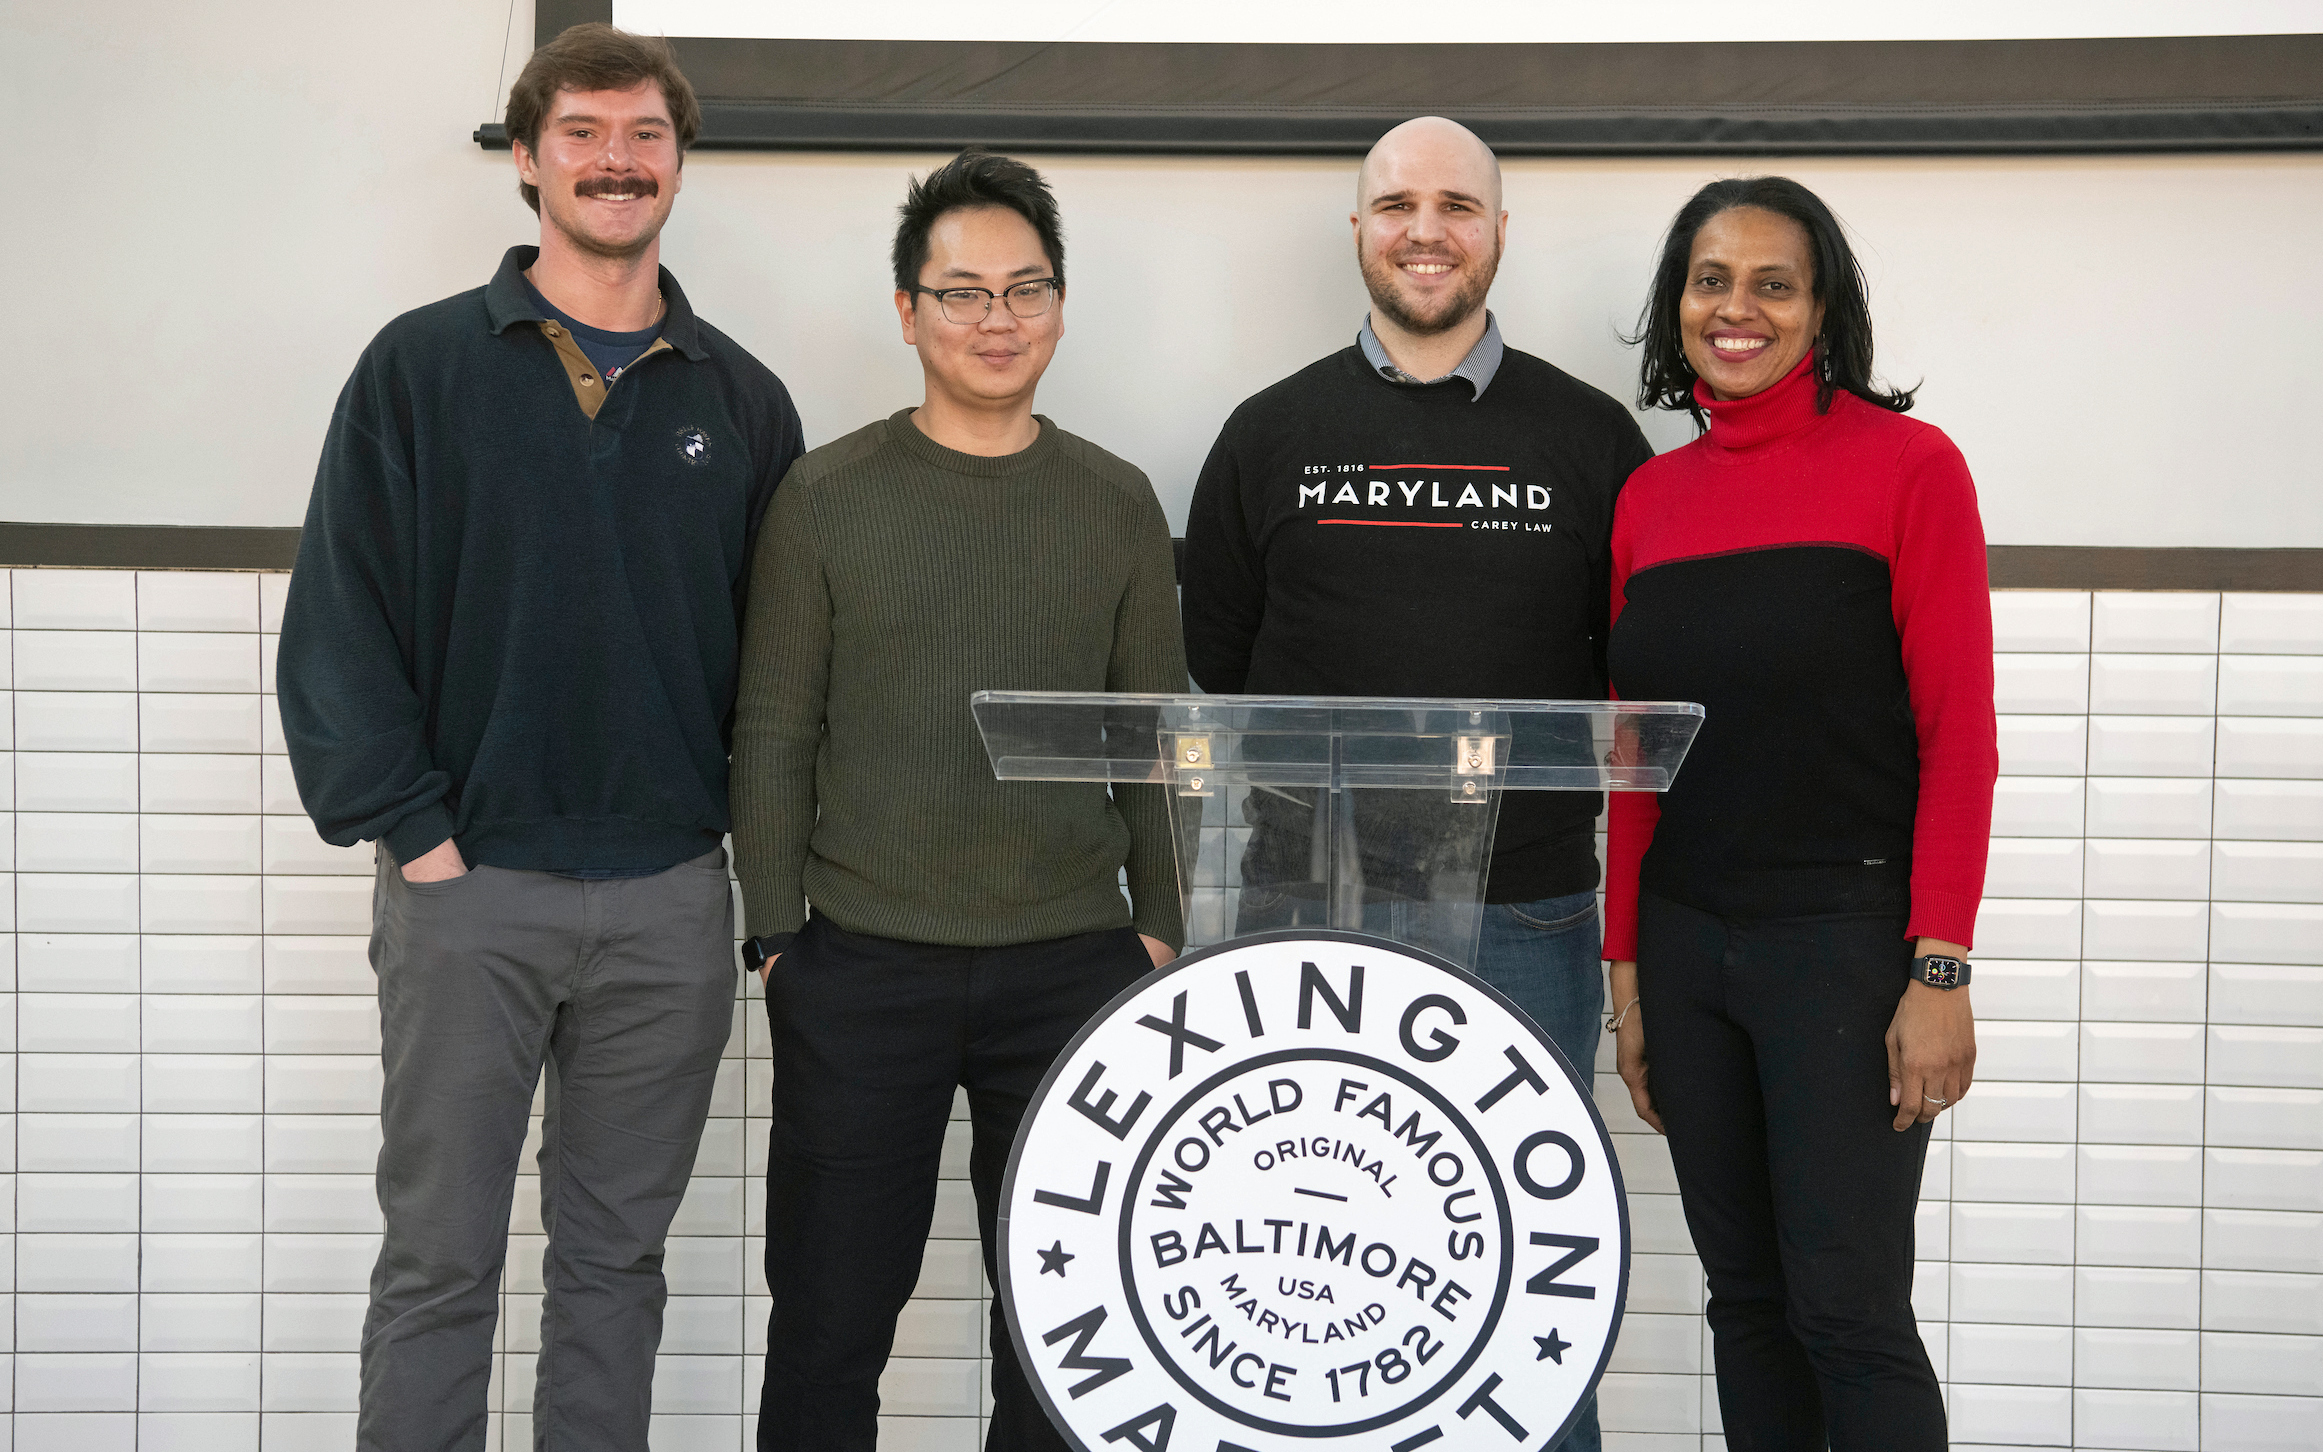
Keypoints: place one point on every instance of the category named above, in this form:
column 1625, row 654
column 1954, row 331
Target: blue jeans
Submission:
column 1544, row 956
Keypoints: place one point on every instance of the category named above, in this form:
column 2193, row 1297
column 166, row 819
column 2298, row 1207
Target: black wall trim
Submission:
column 147, row 546
column 2014, row 567
column 2192, row 93
column 2076, row 567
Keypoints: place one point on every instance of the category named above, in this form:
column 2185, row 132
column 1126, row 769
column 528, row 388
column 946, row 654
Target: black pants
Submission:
column 870, row 1037
column 1766, row 1046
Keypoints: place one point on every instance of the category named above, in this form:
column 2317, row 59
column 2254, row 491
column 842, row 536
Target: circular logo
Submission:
column 693, row 444
column 1309, row 1186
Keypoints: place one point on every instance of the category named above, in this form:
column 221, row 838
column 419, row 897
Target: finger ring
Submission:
column 1932, row 1099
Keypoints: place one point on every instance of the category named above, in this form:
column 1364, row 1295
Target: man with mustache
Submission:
column 509, row 658
column 1425, row 513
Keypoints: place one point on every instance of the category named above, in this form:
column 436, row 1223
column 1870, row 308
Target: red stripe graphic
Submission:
column 1500, row 468
column 1394, row 523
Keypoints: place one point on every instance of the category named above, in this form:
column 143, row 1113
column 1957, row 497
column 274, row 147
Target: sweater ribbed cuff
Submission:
column 1948, row 916
column 419, row 834
column 763, row 914
column 1162, row 927
column 1620, row 933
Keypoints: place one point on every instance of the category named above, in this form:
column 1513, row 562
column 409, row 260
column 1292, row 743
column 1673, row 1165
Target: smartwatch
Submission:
column 755, row 951
column 1938, row 972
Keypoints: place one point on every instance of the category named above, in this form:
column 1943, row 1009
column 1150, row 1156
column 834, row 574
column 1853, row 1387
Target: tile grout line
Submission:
column 137, row 728
column 265, row 1010
column 15, row 1058
column 2209, row 956
column 2081, row 977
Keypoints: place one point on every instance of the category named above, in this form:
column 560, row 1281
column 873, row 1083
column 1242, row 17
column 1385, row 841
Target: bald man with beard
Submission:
column 1426, row 512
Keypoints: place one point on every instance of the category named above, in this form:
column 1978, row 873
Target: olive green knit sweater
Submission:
column 893, row 577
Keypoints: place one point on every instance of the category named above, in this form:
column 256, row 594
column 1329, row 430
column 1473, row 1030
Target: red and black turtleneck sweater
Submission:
column 1817, row 582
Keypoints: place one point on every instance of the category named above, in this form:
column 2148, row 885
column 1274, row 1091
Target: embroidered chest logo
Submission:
column 693, row 444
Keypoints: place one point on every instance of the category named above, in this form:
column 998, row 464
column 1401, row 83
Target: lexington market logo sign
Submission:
column 1312, row 1187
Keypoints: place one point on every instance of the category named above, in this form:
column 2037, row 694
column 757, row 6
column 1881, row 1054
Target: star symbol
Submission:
column 1552, row 1348
column 1054, row 1258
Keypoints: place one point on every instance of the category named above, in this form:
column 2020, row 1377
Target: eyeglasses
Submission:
column 974, row 304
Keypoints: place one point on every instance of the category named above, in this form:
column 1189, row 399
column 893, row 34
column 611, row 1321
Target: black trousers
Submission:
column 871, row 1036
column 1766, row 1047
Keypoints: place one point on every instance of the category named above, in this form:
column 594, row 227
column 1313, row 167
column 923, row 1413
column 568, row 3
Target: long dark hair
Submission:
column 1842, row 352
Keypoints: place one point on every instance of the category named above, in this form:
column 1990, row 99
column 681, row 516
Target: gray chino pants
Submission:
column 624, row 989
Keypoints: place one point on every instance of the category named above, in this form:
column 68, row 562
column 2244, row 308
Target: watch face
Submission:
column 1940, row 972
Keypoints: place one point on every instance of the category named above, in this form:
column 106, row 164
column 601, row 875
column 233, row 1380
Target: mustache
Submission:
column 613, row 186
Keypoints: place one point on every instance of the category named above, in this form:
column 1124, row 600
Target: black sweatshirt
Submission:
column 1350, row 537
column 516, row 612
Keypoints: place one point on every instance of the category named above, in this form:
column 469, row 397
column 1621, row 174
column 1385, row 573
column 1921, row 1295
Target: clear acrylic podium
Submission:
column 1374, row 816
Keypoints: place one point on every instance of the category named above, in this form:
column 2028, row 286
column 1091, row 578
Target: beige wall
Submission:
column 224, row 204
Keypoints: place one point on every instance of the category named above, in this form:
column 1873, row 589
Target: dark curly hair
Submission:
column 975, row 178
column 1842, row 351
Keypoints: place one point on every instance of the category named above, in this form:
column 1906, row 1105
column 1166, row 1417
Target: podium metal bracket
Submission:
column 1190, row 756
column 1472, row 769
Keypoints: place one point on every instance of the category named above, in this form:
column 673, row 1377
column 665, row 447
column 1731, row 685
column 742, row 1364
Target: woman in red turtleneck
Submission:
column 1782, row 920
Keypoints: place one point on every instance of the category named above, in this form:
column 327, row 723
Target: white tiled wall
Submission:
column 186, row 1188
column 2122, row 1232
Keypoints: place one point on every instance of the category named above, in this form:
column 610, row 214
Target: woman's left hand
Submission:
column 1931, row 1046
column 1161, row 952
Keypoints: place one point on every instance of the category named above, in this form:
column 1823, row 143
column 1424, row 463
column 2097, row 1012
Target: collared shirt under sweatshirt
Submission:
column 516, row 612
column 895, row 578
column 1477, row 369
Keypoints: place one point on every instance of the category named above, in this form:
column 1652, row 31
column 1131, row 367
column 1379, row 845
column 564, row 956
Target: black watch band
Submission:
column 755, row 951
column 1936, row 972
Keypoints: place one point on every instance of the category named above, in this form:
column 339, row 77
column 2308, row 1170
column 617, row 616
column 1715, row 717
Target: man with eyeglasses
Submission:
column 962, row 929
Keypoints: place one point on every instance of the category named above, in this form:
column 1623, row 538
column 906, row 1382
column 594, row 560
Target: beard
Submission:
column 1382, row 279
